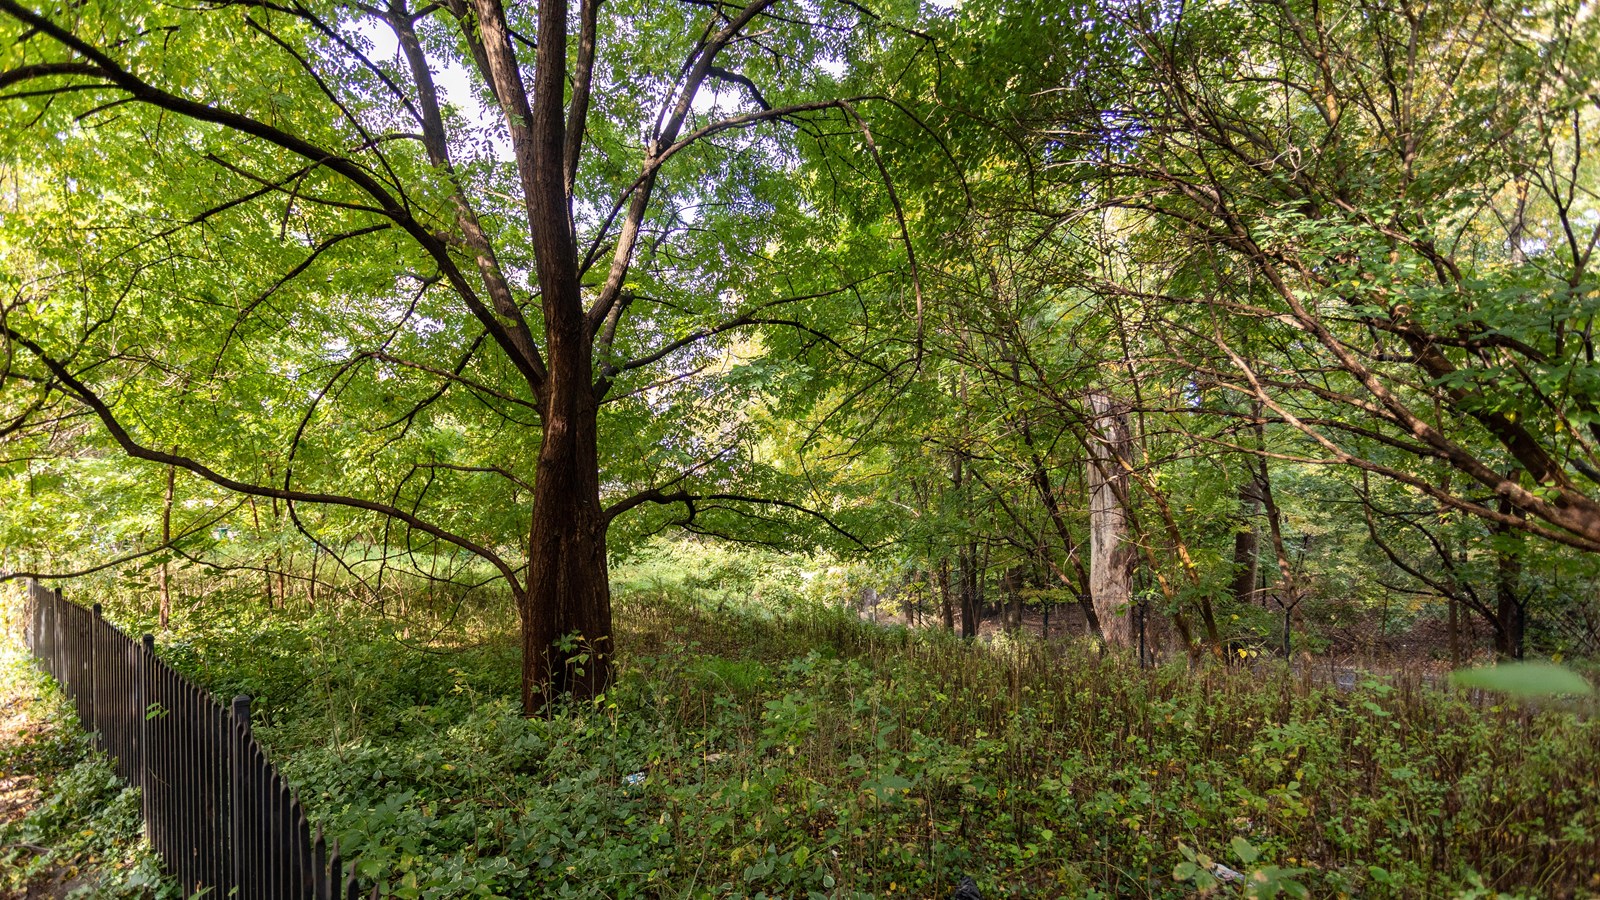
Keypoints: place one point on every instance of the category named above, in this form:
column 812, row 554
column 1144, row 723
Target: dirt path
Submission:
column 18, row 724
column 78, row 842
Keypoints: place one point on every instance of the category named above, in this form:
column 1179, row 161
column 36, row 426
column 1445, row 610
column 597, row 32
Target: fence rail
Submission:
column 216, row 810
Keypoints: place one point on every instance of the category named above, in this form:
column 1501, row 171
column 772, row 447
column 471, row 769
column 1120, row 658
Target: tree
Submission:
column 1359, row 191
column 1352, row 238
column 239, row 231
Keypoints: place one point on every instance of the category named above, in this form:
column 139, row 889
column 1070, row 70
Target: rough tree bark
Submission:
column 566, row 608
column 1110, row 556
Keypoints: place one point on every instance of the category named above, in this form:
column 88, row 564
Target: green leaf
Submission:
column 1242, row 849
column 1527, row 679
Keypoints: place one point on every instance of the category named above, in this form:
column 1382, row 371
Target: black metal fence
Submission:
column 216, row 810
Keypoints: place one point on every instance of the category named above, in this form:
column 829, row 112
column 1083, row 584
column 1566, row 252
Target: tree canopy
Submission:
column 1090, row 303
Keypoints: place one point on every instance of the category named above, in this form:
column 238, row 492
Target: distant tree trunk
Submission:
column 1455, row 632
column 1288, row 593
column 274, row 563
column 1509, row 611
column 165, row 612
column 967, row 552
column 986, row 605
column 925, row 597
column 1045, row 602
column 1110, row 560
column 946, row 607
column 255, row 524
column 967, row 581
column 1246, row 544
column 1045, row 486
column 1011, row 581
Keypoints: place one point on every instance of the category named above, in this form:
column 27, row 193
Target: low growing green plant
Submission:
column 801, row 752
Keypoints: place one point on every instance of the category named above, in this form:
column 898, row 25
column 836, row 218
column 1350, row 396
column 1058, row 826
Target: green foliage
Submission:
column 1528, row 679
column 795, row 750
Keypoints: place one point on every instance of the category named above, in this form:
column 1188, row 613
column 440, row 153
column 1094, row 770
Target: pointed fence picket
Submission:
column 215, row 809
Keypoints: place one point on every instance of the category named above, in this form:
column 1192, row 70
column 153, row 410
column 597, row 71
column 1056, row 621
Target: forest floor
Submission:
column 68, row 826
column 801, row 752
column 794, row 750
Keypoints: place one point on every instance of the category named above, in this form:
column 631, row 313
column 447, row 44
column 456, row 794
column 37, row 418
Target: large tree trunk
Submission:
column 566, row 607
column 1110, row 559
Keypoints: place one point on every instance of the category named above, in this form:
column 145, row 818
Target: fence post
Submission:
column 94, row 706
column 146, row 656
column 238, row 748
column 58, row 671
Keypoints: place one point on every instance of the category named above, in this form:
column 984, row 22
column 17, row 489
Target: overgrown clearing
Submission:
column 793, row 750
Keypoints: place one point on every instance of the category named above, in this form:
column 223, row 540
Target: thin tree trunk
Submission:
column 980, row 583
column 1455, row 632
column 1045, row 486
column 1011, row 581
column 1016, row 608
column 1142, row 544
column 275, row 565
column 1185, row 562
column 1288, row 592
column 255, row 522
column 946, row 606
column 914, row 600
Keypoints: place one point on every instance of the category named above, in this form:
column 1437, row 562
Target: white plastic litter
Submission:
column 1224, row 873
